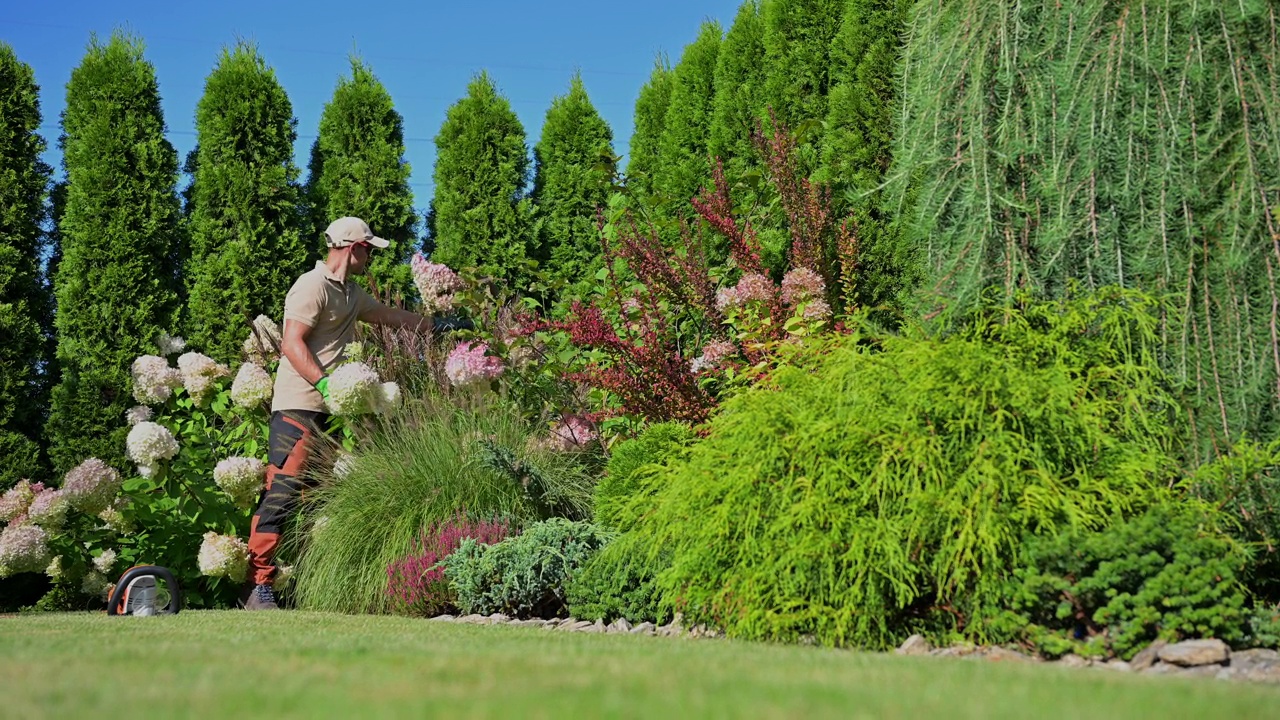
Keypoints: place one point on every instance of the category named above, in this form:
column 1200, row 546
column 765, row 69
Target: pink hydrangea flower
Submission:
column 752, row 287
column 468, row 364
column 802, row 284
column 713, row 356
column 436, row 283
column 91, row 486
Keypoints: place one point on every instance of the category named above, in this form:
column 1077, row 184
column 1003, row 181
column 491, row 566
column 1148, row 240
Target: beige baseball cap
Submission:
column 349, row 231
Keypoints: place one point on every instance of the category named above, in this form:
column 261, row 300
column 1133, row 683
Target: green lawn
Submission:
column 291, row 664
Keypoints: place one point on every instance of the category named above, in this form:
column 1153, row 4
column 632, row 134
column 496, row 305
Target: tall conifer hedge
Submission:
column 650, row 119
column 26, row 310
column 739, row 92
column 247, row 246
column 117, row 280
column 683, row 166
column 573, row 178
column 480, row 216
column 1119, row 142
column 357, row 168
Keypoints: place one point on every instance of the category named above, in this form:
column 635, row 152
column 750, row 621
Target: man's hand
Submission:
column 450, row 324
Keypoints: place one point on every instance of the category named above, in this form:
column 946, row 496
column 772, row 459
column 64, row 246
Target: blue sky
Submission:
column 425, row 53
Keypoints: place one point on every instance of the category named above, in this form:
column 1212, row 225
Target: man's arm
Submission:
column 396, row 318
column 294, row 347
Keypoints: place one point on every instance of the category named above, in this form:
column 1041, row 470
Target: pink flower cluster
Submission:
column 752, row 287
column 415, row 583
column 800, row 285
column 570, row 434
column 15, row 501
column 436, row 283
column 468, row 365
column 91, row 486
column 713, row 356
column 23, row 548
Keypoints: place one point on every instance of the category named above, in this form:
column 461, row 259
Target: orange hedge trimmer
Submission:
column 145, row 590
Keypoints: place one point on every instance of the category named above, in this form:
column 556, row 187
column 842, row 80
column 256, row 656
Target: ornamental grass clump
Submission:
column 887, row 486
column 408, row 471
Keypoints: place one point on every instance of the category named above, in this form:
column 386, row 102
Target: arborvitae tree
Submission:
column 358, row 169
column 797, row 43
column 479, row 216
column 683, row 166
column 116, row 283
column 650, row 119
column 1115, row 142
column 573, row 178
column 857, row 146
column 246, row 241
column 25, row 307
column 739, row 92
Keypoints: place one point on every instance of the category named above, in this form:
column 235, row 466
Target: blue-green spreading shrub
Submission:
column 525, row 575
column 888, row 487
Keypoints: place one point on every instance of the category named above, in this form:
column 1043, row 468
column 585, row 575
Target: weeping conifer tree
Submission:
column 117, row 280
column 358, row 169
column 247, row 245
column 1123, row 142
column 479, row 215
column 573, row 178
column 739, row 92
column 650, row 119
column 26, row 310
column 797, row 44
column 857, row 144
column 683, row 166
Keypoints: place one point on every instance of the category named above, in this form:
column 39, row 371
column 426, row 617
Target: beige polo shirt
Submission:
column 330, row 307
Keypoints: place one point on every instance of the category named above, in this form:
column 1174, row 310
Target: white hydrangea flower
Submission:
column 95, row 584
column 153, row 379
column 170, row 344
column 148, row 443
column 137, row 414
column 105, row 561
column 224, row 556
column 113, row 517
column 343, row 466
column 23, row 548
column 242, row 478
column 199, row 372
column 389, row 398
column 252, row 386
column 15, row 501
column 353, row 351
column 283, row 576
column 55, row 570
column 354, row 388
column 263, row 344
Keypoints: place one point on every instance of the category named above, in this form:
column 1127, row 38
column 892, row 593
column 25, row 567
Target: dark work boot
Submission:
column 262, row 598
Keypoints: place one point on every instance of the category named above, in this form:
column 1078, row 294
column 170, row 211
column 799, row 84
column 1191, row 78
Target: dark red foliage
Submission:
column 807, row 205
column 414, row 582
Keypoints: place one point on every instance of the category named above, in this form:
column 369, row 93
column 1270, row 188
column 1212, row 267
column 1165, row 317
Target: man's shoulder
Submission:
column 311, row 279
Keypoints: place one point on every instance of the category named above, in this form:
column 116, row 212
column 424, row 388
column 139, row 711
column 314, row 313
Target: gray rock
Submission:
column 914, row 645
column 999, row 654
column 620, row 626
column 1147, row 656
column 443, row 618
column 584, row 625
column 1118, row 666
column 961, row 650
column 644, row 628
column 596, row 627
column 498, row 619
column 1194, row 653
column 1251, row 658
column 1163, row 668
column 1203, row 671
column 1256, row 665
column 1074, row 661
column 473, row 619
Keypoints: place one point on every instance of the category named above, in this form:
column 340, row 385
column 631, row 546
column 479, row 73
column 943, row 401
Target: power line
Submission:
column 331, row 53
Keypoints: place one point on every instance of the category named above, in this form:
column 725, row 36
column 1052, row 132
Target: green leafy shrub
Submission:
column 627, row 461
column 888, row 487
column 411, row 470
column 525, row 575
column 1168, row 574
column 1245, row 483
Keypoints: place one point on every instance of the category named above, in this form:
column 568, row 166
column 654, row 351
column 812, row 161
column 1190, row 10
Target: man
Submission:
column 320, row 314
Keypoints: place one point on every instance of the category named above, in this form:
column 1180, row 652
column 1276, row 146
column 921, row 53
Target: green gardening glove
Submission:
column 323, row 386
